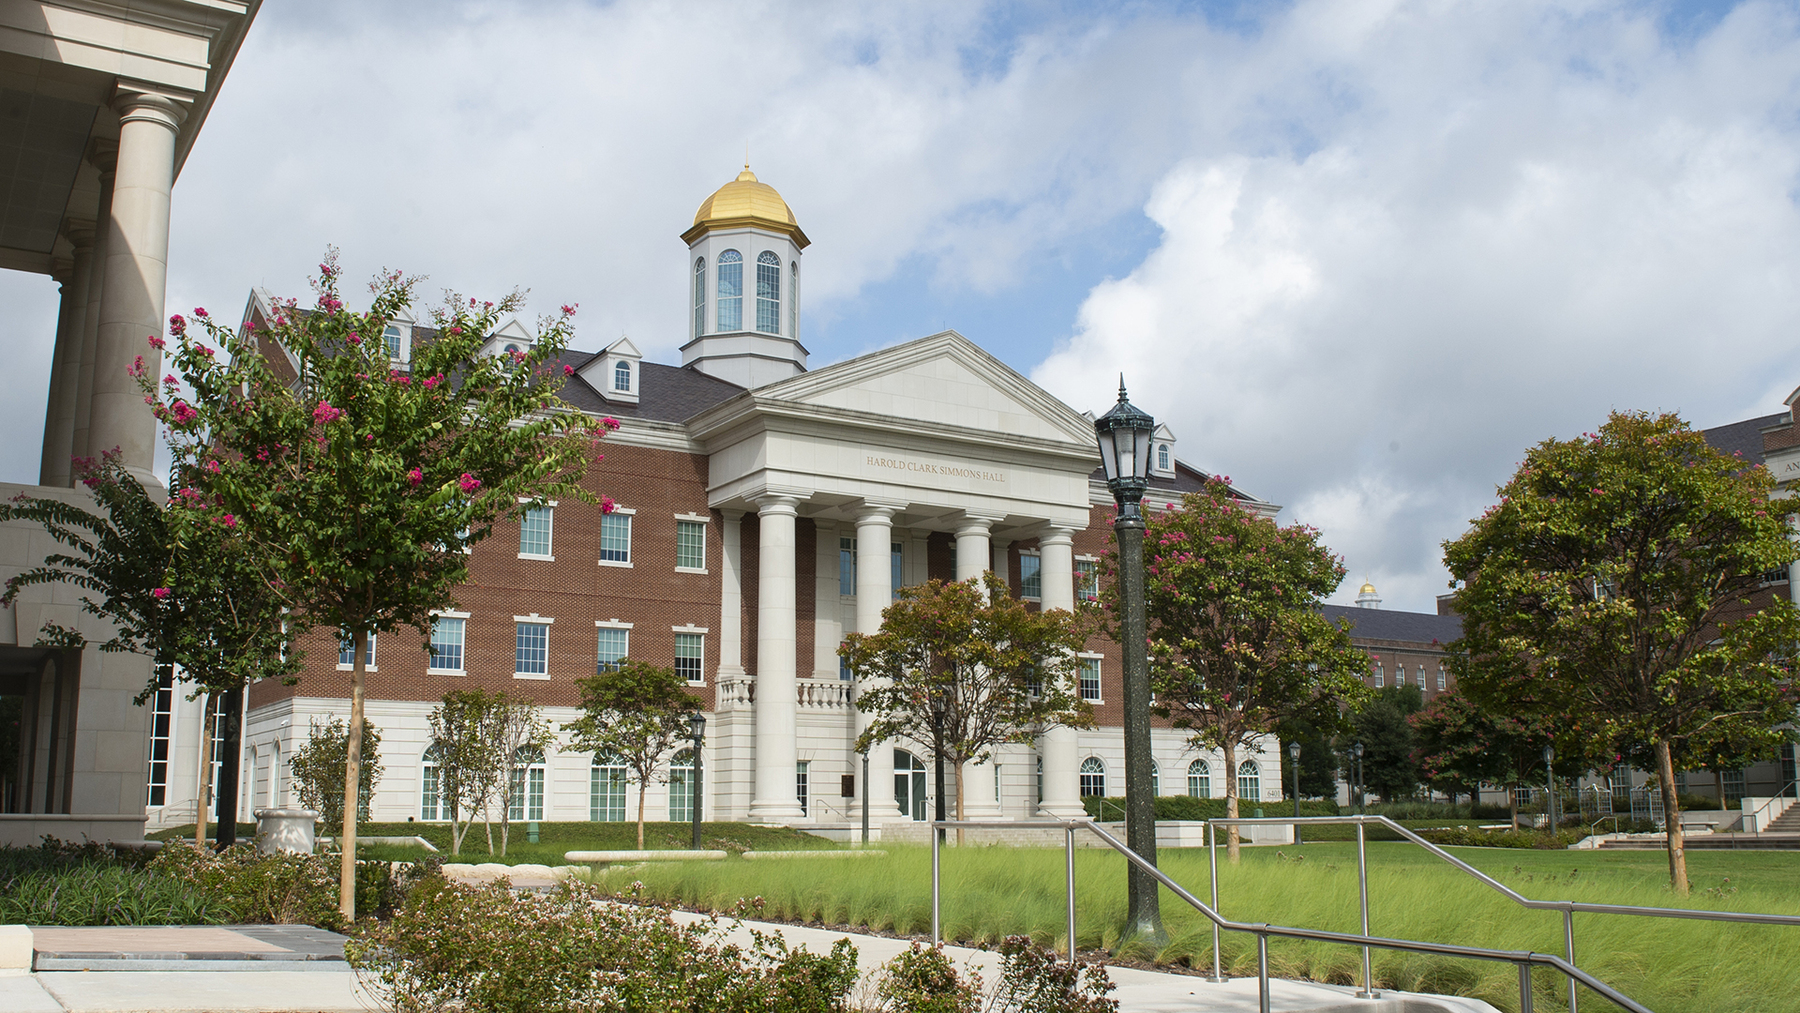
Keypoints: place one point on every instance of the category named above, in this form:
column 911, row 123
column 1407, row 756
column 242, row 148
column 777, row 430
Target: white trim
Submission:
column 449, row 614
column 613, row 562
column 533, row 618
column 537, row 502
column 533, row 555
column 612, row 624
column 702, row 518
column 627, row 511
column 705, row 523
column 447, row 671
column 690, row 628
column 535, row 678
column 1099, row 673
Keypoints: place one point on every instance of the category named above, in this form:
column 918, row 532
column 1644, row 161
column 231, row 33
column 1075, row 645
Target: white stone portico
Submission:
column 935, row 435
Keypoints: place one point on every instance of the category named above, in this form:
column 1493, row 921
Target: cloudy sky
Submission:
column 1357, row 254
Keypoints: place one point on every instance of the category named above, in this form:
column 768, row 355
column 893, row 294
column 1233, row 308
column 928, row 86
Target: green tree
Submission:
column 1616, row 589
column 361, row 482
column 471, row 761
column 1318, row 760
column 1381, row 724
column 519, row 732
column 966, row 667
column 318, row 769
column 1237, row 643
column 1455, row 746
column 636, row 712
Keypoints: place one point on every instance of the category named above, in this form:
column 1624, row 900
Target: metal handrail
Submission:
column 1524, row 959
column 1757, row 815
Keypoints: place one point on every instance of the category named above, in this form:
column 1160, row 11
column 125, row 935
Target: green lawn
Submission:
column 1669, row 965
column 556, row 838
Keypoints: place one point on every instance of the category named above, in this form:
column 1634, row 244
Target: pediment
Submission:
column 945, row 380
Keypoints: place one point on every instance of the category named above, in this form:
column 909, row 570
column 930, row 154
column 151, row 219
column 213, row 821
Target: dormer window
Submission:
column 622, row 377
column 390, row 335
column 616, row 372
column 1162, row 456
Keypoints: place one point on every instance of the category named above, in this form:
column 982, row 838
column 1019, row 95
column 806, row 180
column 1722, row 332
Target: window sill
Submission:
column 701, row 570
column 613, row 562
column 446, row 671
column 352, row 668
column 696, row 682
column 533, row 555
column 531, row 675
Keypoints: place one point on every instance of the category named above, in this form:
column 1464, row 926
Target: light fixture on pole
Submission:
column 1356, row 752
column 1124, row 435
column 697, row 730
column 1294, row 758
column 1550, row 786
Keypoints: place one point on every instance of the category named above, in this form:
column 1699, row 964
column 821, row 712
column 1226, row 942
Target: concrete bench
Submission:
column 751, row 856
column 1698, row 826
column 609, row 857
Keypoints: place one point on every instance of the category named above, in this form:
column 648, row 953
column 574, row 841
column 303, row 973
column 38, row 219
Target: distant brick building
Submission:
column 1404, row 648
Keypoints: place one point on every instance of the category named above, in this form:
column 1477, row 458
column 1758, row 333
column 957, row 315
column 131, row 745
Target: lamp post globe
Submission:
column 1294, row 762
column 697, row 731
column 1124, row 435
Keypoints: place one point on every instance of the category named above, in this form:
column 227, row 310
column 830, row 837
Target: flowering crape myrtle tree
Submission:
column 966, row 667
column 361, row 482
column 636, row 712
column 1616, row 589
column 1237, row 643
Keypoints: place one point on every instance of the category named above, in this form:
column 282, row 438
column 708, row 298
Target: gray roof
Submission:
column 1744, row 437
column 1385, row 624
column 665, row 393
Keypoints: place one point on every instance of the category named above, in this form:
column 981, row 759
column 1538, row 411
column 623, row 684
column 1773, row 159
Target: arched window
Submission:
column 622, row 376
column 794, row 302
column 390, row 336
column 1040, row 780
column 1155, row 778
column 527, row 785
column 1162, row 456
column 768, row 293
column 606, row 790
column 681, row 787
column 699, row 296
column 432, row 805
column 1093, row 777
column 1380, row 679
column 731, row 292
column 1440, row 676
column 1199, row 780
column 909, row 784
column 1249, row 781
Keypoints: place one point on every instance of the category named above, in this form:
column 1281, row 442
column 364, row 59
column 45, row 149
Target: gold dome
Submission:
column 745, row 202
column 1367, row 589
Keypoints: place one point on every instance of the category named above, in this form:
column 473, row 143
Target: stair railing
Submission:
column 1781, row 795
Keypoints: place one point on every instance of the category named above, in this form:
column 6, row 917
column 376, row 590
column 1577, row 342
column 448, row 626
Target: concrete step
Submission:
column 186, row 948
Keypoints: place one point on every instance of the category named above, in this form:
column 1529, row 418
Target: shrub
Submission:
column 1186, row 807
column 488, row 950
column 318, row 769
column 924, row 980
column 1475, row 837
column 1032, row 980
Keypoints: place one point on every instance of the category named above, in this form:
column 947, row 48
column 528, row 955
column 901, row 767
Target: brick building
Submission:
column 765, row 511
column 1404, row 648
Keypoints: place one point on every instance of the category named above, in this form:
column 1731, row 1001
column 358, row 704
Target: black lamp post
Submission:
column 697, row 728
column 1124, row 435
column 1356, row 752
column 1294, row 757
column 1550, row 784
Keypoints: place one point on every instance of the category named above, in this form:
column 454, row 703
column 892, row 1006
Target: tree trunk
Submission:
column 1232, row 839
column 203, row 795
column 1719, row 786
column 352, row 778
column 641, row 794
column 1512, row 796
column 1665, row 776
column 961, row 769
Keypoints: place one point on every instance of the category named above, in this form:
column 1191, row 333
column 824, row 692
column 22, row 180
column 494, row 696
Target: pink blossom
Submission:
column 213, row 466
column 433, row 381
column 170, row 380
column 200, row 312
column 456, row 330
column 607, row 505
column 325, row 413
column 568, row 309
column 355, row 338
column 159, row 593
column 203, row 350
column 229, row 520
column 609, row 423
column 468, row 482
column 568, row 370
column 177, row 325
column 137, row 367
column 183, row 412
column 157, row 343
column 415, row 476
column 516, row 356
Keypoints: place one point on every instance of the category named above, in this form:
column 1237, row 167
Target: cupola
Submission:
column 744, row 285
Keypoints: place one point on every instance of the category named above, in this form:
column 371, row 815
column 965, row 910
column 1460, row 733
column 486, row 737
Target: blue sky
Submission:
column 1359, row 254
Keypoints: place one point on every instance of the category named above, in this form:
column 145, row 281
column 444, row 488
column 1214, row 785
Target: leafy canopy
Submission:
column 636, row 713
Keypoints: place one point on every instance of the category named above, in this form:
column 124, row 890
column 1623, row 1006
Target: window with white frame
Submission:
column 690, row 654
column 844, row 673
column 1199, row 780
column 768, row 292
column 1155, row 778
column 347, row 653
column 532, row 648
column 1090, row 679
column 730, row 316
column 1421, row 679
column 681, row 787
column 606, row 790
column 615, row 644
column 699, row 296
column 1087, row 579
column 1249, row 781
column 161, row 734
column 433, row 807
column 1440, row 681
column 794, row 299
column 1380, row 677
column 622, row 376
column 690, row 545
column 527, row 785
column 447, row 633
column 615, row 538
column 846, row 565
column 534, row 532
column 1162, row 457
column 897, row 567
column 1031, row 575
column 392, row 338
column 803, row 784
column 1093, row 777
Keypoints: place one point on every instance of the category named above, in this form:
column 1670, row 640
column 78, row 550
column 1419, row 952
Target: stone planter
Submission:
column 285, row 830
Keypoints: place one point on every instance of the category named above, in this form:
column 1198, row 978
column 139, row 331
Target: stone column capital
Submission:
column 975, row 525
column 143, row 104
column 777, row 503
column 103, row 155
column 868, row 511
column 1056, row 534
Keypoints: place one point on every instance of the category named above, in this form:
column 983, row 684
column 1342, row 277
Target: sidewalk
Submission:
column 143, row 981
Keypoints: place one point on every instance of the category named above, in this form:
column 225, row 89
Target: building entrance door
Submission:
column 909, row 784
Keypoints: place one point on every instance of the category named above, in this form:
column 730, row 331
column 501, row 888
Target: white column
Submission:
column 974, row 554
column 776, row 631
column 1794, row 567
column 731, row 597
column 65, row 370
column 828, row 608
column 874, row 591
column 106, row 160
column 136, row 273
column 972, row 546
column 1057, row 746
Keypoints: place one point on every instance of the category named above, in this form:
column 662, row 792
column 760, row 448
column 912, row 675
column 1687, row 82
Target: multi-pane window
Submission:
column 606, row 790
column 1162, row 457
column 1199, row 780
column 622, row 376
column 794, row 299
column 802, row 785
column 1380, row 677
column 534, row 531
column 768, row 293
column 527, row 785
column 432, row 805
column 1440, row 682
column 1031, row 575
column 390, row 336
column 690, row 545
column 347, row 653
column 161, row 720
column 846, row 565
column 844, row 673
column 690, row 651
column 447, row 644
column 1090, row 678
column 532, row 654
column 1087, row 580
column 1420, row 682
column 897, row 560
column 615, row 643
column 681, row 787
column 699, row 297
column 731, row 292
column 1249, row 781
column 1093, row 777
column 615, row 537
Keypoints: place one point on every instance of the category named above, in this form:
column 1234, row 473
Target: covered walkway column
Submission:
column 775, row 798
column 874, row 590
column 65, row 369
column 974, row 554
column 134, row 276
column 1057, row 747
column 731, row 596
column 106, row 159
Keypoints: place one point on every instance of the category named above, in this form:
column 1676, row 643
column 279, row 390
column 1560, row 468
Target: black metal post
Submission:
column 1144, row 915
column 1294, row 755
column 1550, row 786
column 698, row 727
column 231, row 758
column 865, row 798
column 937, row 761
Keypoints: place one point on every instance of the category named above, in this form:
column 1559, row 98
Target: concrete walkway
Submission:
column 142, row 981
